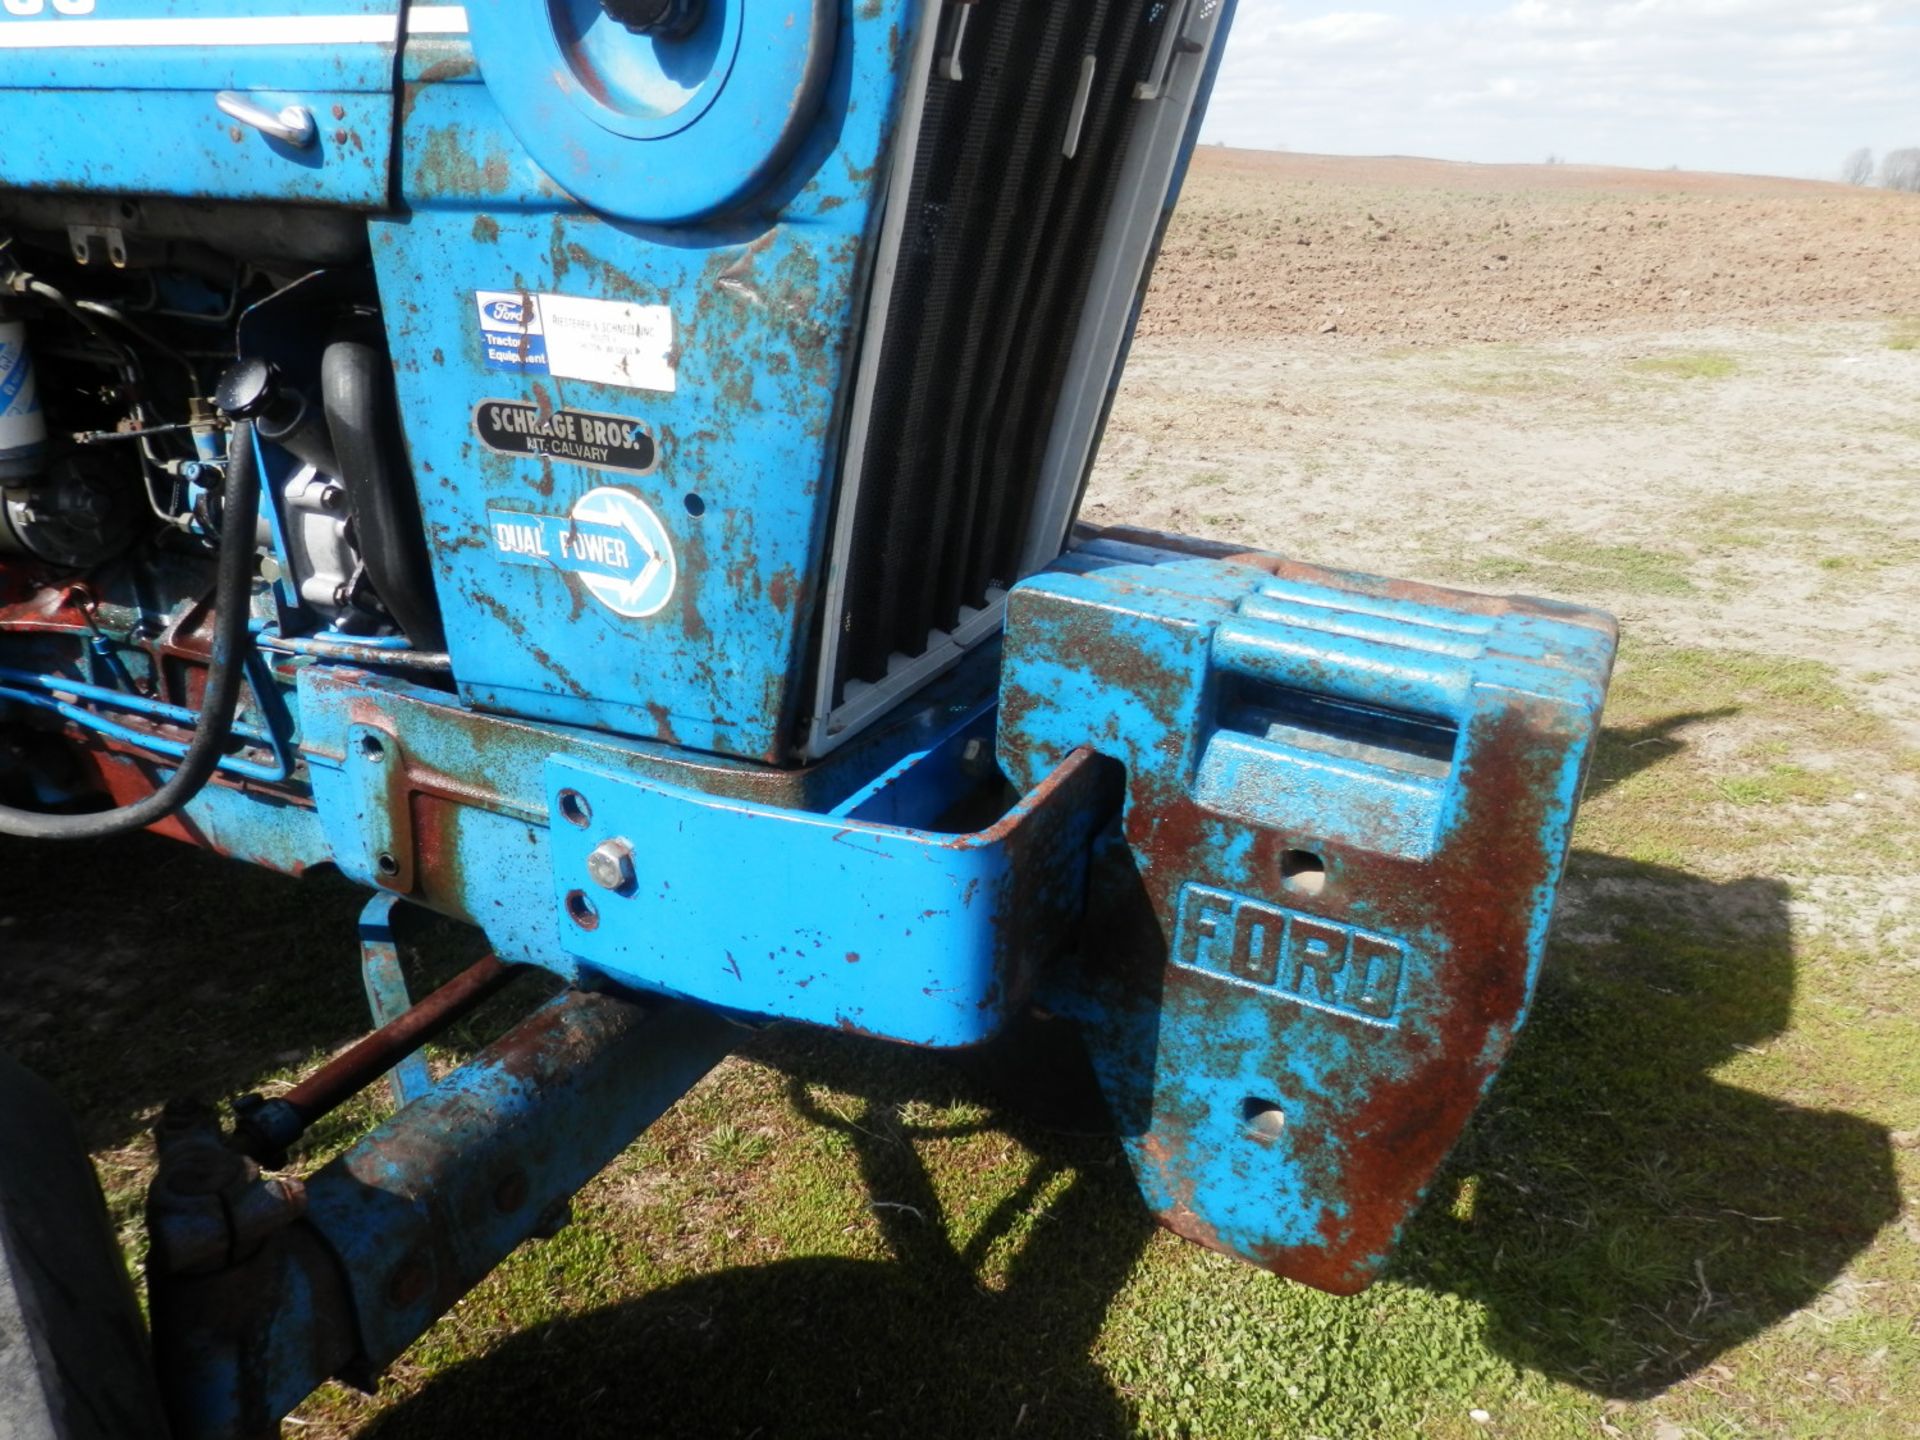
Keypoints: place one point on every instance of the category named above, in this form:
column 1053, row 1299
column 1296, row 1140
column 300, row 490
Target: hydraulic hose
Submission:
column 225, row 674
column 356, row 390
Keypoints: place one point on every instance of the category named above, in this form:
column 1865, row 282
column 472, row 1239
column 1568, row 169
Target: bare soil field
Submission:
column 1427, row 252
column 1609, row 386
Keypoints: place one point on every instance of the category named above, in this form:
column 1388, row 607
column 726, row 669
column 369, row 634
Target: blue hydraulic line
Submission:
column 173, row 749
column 369, row 642
column 139, row 704
column 267, row 633
column 11, row 679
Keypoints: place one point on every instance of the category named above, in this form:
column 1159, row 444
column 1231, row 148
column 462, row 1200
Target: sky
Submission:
column 1769, row 87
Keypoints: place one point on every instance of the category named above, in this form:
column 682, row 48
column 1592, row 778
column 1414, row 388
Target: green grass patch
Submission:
column 1579, row 566
column 1795, row 518
column 1705, row 365
column 1780, row 785
column 1518, row 380
column 1788, row 739
column 1638, row 569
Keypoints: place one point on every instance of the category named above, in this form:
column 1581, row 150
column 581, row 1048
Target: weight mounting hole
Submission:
column 575, row 809
column 695, row 506
column 1264, row 1120
column 1303, row 872
column 386, row 864
column 373, row 747
column 581, row 910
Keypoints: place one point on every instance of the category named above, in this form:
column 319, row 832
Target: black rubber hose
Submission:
column 356, row 391
column 226, row 671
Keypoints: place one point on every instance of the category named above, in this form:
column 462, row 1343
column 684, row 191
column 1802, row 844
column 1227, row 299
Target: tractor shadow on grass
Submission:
column 914, row 1344
column 1625, row 1216
column 137, row 969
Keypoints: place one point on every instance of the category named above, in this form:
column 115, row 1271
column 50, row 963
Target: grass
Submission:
column 1507, row 372
column 1704, row 365
column 1576, row 565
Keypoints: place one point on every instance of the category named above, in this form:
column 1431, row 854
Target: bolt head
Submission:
column 611, row 864
column 977, row 759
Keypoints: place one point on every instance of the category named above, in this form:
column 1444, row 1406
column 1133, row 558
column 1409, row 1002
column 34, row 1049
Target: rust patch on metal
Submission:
column 662, row 722
column 1395, row 1131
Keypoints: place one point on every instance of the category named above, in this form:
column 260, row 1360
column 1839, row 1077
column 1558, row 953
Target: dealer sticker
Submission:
column 582, row 437
column 610, row 538
column 610, row 342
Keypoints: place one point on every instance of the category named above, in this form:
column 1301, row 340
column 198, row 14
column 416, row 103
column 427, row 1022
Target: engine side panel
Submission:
column 625, row 436
column 124, row 98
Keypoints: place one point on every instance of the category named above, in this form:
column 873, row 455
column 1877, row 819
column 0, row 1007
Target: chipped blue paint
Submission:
column 858, row 913
column 763, row 304
column 910, row 934
column 665, row 131
column 1319, row 926
column 1282, row 842
column 387, row 996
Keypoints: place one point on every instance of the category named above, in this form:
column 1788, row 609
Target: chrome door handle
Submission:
column 1173, row 44
column 292, row 126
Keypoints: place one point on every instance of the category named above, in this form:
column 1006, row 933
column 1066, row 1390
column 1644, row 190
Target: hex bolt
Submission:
column 977, row 759
column 611, row 864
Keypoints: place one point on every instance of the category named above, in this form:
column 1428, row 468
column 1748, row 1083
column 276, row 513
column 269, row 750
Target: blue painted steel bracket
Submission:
column 387, row 997
column 867, row 854
column 910, row 934
column 1317, row 928
column 395, row 1230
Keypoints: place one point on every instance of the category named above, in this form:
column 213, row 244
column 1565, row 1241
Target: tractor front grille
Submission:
column 1023, row 134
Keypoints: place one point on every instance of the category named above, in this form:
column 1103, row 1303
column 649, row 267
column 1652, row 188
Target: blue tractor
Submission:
column 607, row 471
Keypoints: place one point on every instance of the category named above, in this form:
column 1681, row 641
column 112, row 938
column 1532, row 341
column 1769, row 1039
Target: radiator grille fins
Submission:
column 1002, row 233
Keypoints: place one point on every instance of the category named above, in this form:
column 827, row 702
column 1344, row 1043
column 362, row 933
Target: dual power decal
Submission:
column 582, row 437
column 611, row 539
column 610, row 342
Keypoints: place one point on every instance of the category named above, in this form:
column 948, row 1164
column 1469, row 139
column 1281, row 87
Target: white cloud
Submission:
column 1771, row 86
column 1342, row 27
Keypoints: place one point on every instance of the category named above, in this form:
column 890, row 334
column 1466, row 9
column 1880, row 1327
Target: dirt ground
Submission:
column 1428, row 252
column 1610, row 386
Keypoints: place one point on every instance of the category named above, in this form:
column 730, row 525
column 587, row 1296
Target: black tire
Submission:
column 74, row 1362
